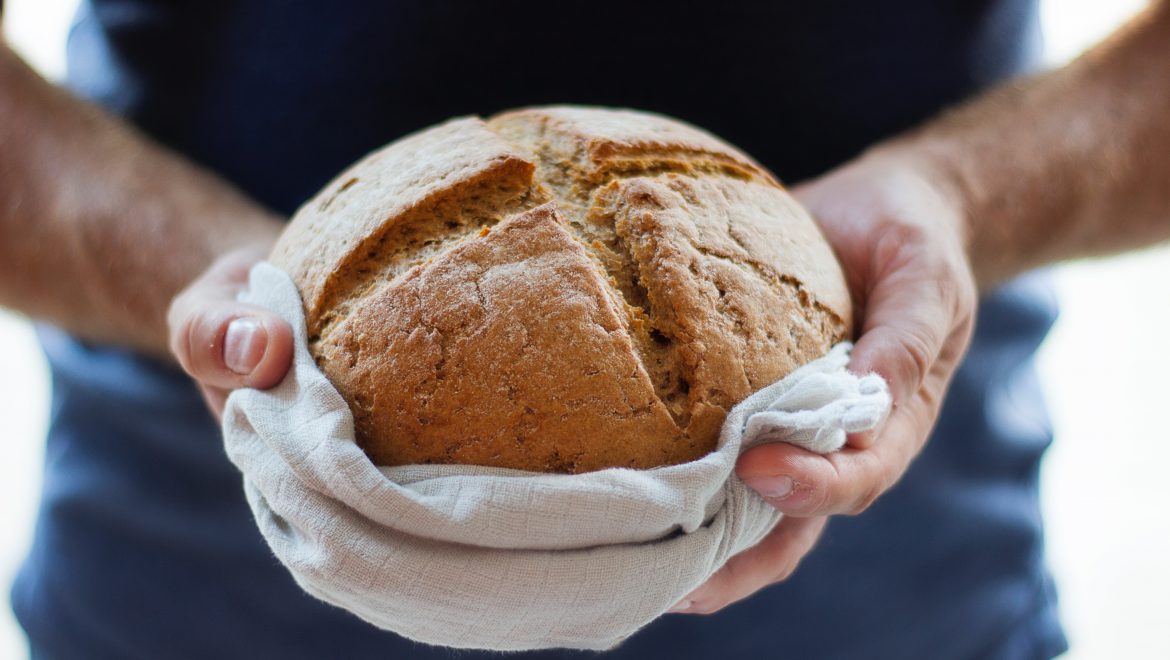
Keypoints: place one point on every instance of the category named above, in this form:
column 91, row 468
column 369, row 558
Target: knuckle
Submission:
column 181, row 340
column 784, row 570
column 174, row 310
column 966, row 305
column 968, row 297
column 178, row 318
column 916, row 356
column 884, row 480
column 874, row 484
column 959, row 293
column 865, row 500
column 896, row 245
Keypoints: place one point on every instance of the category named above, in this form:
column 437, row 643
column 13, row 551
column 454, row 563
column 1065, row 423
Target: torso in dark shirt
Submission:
column 145, row 547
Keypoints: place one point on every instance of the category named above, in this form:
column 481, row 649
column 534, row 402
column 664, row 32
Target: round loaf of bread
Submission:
column 558, row 289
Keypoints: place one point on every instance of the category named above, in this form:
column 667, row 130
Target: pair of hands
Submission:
column 900, row 239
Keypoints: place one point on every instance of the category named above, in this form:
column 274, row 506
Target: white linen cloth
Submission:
column 490, row 558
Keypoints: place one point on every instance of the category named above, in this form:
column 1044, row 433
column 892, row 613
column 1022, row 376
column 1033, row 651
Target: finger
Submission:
column 801, row 483
column 908, row 318
column 771, row 560
column 864, row 439
column 225, row 344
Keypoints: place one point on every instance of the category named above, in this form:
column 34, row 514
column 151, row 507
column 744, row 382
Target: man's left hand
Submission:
column 899, row 235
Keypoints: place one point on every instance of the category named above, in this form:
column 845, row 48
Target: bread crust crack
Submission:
column 557, row 289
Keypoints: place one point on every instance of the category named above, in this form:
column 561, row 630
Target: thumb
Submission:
column 226, row 344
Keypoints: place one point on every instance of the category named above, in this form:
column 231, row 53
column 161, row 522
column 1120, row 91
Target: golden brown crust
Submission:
column 506, row 350
column 558, row 290
column 424, row 176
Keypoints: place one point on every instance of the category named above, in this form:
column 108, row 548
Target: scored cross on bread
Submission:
column 558, row 289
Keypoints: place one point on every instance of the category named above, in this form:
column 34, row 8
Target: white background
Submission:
column 1105, row 367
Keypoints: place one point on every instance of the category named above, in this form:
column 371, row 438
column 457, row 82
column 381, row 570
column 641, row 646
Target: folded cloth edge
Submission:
column 340, row 525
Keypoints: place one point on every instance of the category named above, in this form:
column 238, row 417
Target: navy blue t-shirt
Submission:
column 145, row 547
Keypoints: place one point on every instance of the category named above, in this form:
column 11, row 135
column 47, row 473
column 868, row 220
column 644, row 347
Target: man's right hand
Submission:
column 225, row 344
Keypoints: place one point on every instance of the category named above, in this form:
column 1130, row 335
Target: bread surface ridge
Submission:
column 558, row 290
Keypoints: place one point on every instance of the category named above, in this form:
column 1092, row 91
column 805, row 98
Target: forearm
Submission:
column 99, row 227
column 1071, row 163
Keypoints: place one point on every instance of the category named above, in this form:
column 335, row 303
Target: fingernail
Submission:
column 680, row 606
column 773, row 487
column 244, row 344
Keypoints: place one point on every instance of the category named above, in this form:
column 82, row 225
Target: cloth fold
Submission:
column 491, row 558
